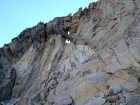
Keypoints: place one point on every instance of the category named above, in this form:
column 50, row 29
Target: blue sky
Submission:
column 16, row 15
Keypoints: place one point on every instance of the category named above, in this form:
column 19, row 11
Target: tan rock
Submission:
column 65, row 77
column 103, row 60
column 112, row 99
column 46, row 103
column 42, row 96
column 75, row 21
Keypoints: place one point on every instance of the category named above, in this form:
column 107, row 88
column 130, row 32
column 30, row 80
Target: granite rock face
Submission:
column 35, row 36
column 7, row 83
column 104, row 21
column 101, row 65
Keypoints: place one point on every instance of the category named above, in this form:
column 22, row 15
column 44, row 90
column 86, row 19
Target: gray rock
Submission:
column 8, row 53
column 2, row 75
column 96, row 101
column 117, row 89
column 133, row 100
column 4, row 61
column 7, row 84
column 65, row 99
column 15, row 46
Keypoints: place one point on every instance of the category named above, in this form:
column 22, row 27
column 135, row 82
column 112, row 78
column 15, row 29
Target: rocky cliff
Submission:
column 101, row 65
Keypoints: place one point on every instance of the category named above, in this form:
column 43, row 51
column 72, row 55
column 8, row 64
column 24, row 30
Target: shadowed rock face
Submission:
column 7, row 82
column 100, row 67
column 11, row 53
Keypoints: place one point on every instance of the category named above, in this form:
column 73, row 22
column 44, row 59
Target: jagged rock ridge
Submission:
column 100, row 67
column 11, row 53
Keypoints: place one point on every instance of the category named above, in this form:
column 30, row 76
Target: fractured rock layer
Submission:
column 11, row 53
column 100, row 67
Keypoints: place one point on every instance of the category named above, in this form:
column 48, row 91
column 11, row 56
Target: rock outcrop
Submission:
column 101, row 65
column 11, row 53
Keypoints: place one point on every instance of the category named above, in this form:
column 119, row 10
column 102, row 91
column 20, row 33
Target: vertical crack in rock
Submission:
column 45, row 28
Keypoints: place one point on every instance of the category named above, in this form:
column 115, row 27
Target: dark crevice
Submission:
column 138, row 62
column 115, row 19
column 45, row 29
column 1, row 66
column 113, row 26
column 139, row 79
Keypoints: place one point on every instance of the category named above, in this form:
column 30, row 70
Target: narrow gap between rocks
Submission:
column 68, row 41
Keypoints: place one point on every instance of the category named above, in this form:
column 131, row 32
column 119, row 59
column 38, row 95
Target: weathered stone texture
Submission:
column 101, row 65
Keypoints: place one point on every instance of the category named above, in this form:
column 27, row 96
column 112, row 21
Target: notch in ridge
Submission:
column 68, row 41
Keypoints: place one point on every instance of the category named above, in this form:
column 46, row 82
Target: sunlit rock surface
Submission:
column 101, row 65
